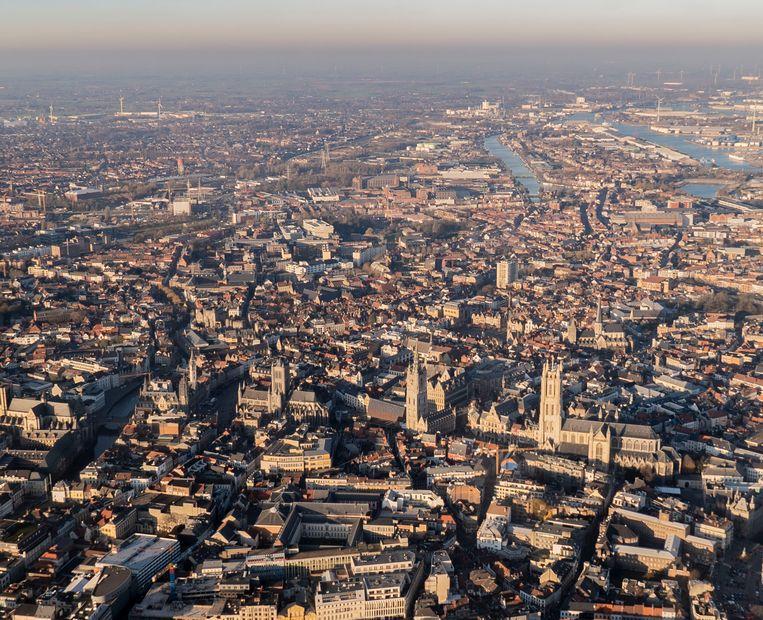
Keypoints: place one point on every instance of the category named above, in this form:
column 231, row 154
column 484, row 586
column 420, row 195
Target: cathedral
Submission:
column 255, row 406
column 49, row 433
column 605, row 335
column 603, row 443
column 421, row 416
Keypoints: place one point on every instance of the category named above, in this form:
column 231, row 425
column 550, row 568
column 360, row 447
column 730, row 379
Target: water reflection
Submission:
column 708, row 191
column 679, row 143
column 523, row 175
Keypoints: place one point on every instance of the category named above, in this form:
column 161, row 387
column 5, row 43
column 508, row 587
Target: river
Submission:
column 708, row 191
column 683, row 145
column 225, row 403
column 676, row 142
column 120, row 412
column 519, row 170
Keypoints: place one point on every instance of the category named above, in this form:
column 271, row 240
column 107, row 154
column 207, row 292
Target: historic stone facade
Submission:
column 420, row 415
column 604, row 335
column 602, row 443
column 299, row 405
column 41, row 422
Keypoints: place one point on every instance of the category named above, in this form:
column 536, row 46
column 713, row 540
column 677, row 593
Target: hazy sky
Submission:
column 62, row 25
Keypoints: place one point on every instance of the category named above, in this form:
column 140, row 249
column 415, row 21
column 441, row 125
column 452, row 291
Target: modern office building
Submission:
column 145, row 556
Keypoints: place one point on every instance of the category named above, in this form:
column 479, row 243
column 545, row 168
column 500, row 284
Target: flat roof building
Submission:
column 145, row 556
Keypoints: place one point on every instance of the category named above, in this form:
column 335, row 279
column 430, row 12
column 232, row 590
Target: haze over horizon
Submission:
column 91, row 35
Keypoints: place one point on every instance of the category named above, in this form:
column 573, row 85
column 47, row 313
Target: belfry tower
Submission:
column 550, row 417
column 416, row 405
column 279, row 385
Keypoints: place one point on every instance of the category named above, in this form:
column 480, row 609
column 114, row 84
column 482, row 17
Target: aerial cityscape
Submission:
column 379, row 328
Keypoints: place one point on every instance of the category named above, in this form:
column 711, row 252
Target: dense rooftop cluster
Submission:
column 398, row 357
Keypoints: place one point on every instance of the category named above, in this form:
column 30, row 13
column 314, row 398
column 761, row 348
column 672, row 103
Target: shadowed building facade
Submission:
column 603, row 443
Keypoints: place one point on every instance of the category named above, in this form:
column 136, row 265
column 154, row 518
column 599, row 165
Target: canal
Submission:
column 677, row 142
column 706, row 191
column 513, row 162
column 224, row 403
column 120, row 414
column 683, row 145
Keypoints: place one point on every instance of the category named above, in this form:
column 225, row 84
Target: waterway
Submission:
column 120, row 413
column 683, row 145
column 519, row 170
column 678, row 143
column 225, row 404
column 707, row 191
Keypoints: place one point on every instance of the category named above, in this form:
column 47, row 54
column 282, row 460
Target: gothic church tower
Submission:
column 416, row 396
column 550, row 417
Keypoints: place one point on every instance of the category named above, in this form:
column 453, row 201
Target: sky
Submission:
column 218, row 25
column 44, row 39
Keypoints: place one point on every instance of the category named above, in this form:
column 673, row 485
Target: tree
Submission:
column 647, row 473
column 539, row 509
column 749, row 304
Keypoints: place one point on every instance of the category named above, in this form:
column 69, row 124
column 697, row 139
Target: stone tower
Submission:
column 279, row 385
column 416, row 396
column 279, row 376
column 184, row 397
column 550, row 417
column 572, row 332
column 4, row 400
column 598, row 324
